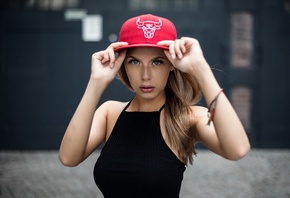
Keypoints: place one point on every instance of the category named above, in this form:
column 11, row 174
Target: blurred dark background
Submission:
column 46, row 47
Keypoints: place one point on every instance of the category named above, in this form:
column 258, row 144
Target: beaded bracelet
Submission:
column 213, row 102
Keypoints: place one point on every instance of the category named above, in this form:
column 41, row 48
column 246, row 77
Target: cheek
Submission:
column 132, row 76
column 163, row 77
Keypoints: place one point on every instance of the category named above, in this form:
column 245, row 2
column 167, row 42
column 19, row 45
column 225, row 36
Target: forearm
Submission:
column 72, row 149
column 228, row 137
column 231, row 135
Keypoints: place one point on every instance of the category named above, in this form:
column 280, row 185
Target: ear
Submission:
column 172, row 68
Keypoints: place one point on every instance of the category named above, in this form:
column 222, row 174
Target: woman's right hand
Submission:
column 104, row 63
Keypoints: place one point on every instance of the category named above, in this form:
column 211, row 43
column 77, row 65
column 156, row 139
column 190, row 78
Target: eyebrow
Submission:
column 157, row 57
column 130, row 57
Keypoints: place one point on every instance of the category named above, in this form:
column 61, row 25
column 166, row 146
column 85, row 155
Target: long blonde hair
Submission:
column 181, row 91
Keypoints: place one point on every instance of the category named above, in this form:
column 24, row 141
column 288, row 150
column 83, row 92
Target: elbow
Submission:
column 240, row 149
column 240, row 153
column 67, row 162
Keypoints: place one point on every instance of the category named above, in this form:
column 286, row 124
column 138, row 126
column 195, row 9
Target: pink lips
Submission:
column 146, row 89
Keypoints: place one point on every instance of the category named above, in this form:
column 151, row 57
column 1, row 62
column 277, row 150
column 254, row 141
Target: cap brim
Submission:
column 140, row 45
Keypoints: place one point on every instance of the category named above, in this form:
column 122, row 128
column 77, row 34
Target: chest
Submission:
column 136, row 155
column 142, row 122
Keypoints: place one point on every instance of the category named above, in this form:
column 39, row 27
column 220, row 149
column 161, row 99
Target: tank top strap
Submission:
column 162, row 108
column 127, row 105
column 131, row 101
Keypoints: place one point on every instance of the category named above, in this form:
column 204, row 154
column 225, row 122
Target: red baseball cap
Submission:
column 146, row 31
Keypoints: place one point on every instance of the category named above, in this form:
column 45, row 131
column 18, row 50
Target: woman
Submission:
column 149, row 140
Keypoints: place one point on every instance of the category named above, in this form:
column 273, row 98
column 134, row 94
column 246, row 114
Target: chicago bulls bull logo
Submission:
column 149, row 27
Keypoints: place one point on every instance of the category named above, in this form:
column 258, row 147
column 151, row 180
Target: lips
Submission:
column 147, row 88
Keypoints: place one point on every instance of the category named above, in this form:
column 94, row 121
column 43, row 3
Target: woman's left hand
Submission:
column 185, row 54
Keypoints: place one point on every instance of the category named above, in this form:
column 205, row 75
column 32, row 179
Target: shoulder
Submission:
column 200, row 120
column 112, row 107
column 112, row 104
column 199, row 113
column 112, row 110
column 199, row 117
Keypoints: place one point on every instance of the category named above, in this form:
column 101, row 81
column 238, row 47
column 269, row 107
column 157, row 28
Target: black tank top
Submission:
column 136, row 162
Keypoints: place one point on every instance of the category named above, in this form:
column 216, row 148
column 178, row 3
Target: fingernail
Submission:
column 112, row 65
column 173, row 56
column 179, row 55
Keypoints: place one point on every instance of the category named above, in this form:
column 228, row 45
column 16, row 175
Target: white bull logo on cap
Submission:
column 149, row 27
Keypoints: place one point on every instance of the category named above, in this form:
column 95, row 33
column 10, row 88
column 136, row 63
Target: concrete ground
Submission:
column 39, row 174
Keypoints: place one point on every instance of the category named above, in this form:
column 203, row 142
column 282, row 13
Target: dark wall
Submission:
column 45, row 66
column 274, row 70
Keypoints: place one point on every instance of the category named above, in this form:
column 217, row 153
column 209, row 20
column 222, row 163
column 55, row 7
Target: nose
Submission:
column 146, row 73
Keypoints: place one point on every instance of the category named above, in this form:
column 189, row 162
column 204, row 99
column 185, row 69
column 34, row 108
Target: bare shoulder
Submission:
column 200, row 116
column 199, row 111
column 113, row 110
column 113, row 106
column 110, row 109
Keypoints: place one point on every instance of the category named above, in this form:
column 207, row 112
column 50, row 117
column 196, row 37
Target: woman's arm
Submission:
column 80, row 139
column 226, row 136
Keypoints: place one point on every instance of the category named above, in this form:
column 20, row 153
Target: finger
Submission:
column 172, row 51
column 105, row 58
column 170, row 45
column 120, row 59
column 166, row 43
column 177, row 48
column 168, row 55
column 112, row 58
column 116, row 45
column 188, row 42
column 182, row 45
column 98, row 56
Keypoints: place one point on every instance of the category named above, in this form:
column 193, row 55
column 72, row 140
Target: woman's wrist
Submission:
column 206, row 80
column 201, row 72
column 96, row 86
column 97, row 81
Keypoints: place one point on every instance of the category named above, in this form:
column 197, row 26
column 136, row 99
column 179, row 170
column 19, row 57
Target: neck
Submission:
column 147, row 105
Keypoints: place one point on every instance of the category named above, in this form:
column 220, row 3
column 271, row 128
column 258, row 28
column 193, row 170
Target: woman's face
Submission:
column 147, row 69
